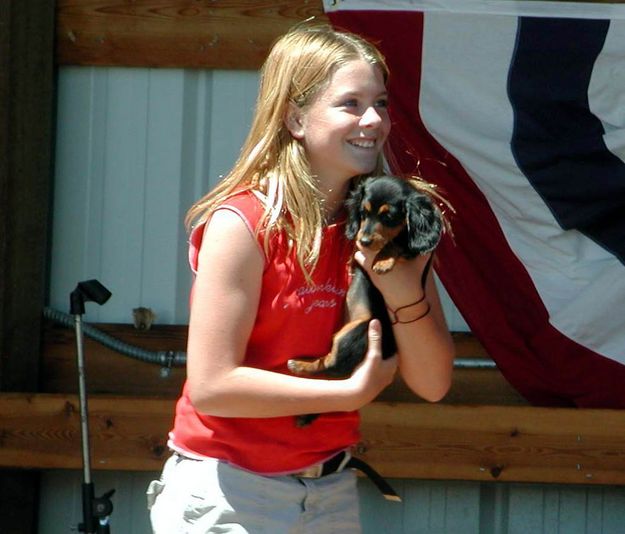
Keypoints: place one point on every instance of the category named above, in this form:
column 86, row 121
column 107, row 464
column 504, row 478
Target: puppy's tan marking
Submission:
column 301, row 366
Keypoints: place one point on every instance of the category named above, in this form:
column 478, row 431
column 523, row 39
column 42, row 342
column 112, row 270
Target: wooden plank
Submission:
column 423, row 441
column 43, row 431
column 228, row 34
column 487, row 443
column 109, row 372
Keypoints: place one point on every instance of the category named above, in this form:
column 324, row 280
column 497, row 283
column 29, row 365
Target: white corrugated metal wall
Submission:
column 428, row 507
column 134, row 148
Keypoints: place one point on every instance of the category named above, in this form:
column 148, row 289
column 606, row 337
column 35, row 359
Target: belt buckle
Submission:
column 314, row 471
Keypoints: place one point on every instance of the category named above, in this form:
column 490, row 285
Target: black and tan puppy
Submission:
column 396, row 219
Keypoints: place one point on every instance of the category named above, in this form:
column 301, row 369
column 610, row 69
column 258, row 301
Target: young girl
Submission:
column 271, row 270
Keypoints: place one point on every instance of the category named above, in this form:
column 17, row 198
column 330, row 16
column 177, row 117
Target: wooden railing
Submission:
column 401, row 440
column 483, row 430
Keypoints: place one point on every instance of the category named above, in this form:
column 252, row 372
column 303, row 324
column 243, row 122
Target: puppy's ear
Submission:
column 423, row 222
column 353, row 202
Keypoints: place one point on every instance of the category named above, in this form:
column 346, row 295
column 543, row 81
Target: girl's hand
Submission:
column 374, row 373
column 425, row 348
column 401, row 285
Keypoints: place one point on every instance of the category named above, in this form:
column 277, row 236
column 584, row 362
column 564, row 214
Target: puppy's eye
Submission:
column 390, row 219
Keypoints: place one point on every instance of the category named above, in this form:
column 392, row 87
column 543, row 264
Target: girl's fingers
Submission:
column 360, row 258
column 375, row 337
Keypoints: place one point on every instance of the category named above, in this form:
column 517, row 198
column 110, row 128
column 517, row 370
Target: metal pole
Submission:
column 474, row 363
column 84, row 411
column 96, row 512
column 88, row 526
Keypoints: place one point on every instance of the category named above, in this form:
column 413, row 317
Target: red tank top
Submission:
column 294, row 319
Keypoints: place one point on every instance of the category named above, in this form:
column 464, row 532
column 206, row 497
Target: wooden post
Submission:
column 26, row 124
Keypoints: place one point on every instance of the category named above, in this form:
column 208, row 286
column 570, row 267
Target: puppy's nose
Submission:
column 365, row 240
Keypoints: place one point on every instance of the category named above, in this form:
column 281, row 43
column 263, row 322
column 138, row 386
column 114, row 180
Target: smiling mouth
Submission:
column 362, row 143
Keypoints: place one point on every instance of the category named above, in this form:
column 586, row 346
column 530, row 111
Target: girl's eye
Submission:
column 351, row 103
column 382, row 103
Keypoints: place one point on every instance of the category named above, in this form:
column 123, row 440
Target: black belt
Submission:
column 344, row 460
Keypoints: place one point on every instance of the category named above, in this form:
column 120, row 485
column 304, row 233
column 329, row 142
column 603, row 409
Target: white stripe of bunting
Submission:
column 528, row 8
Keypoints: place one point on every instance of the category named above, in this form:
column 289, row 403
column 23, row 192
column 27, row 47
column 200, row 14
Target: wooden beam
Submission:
column 109, row 372
column 43, row 431
column 487, row 443
column 423, row 441
column 228, row 34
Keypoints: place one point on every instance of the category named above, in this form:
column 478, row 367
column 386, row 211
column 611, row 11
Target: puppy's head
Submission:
column 384, row 207
column 377, row 211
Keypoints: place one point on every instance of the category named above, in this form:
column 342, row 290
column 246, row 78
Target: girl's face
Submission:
column 344, row 128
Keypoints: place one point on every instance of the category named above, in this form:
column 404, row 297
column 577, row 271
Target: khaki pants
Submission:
column 202, row 496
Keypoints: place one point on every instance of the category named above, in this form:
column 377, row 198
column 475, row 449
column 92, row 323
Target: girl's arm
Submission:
column 425, row 347
column 225, row 300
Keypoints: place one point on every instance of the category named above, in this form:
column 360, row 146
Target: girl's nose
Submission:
column 370, row 117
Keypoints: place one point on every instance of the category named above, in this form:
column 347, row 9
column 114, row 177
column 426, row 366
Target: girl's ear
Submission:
column 294, row 121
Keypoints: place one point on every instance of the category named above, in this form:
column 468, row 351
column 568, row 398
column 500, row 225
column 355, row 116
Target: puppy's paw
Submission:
column 303, row 367
column 383, row 266
column 295, row 366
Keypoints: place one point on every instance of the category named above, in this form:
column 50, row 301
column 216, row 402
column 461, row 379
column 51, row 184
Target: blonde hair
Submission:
column 300, row 64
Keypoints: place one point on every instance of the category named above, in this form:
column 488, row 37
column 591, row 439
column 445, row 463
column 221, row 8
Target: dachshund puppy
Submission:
column 392, row 217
